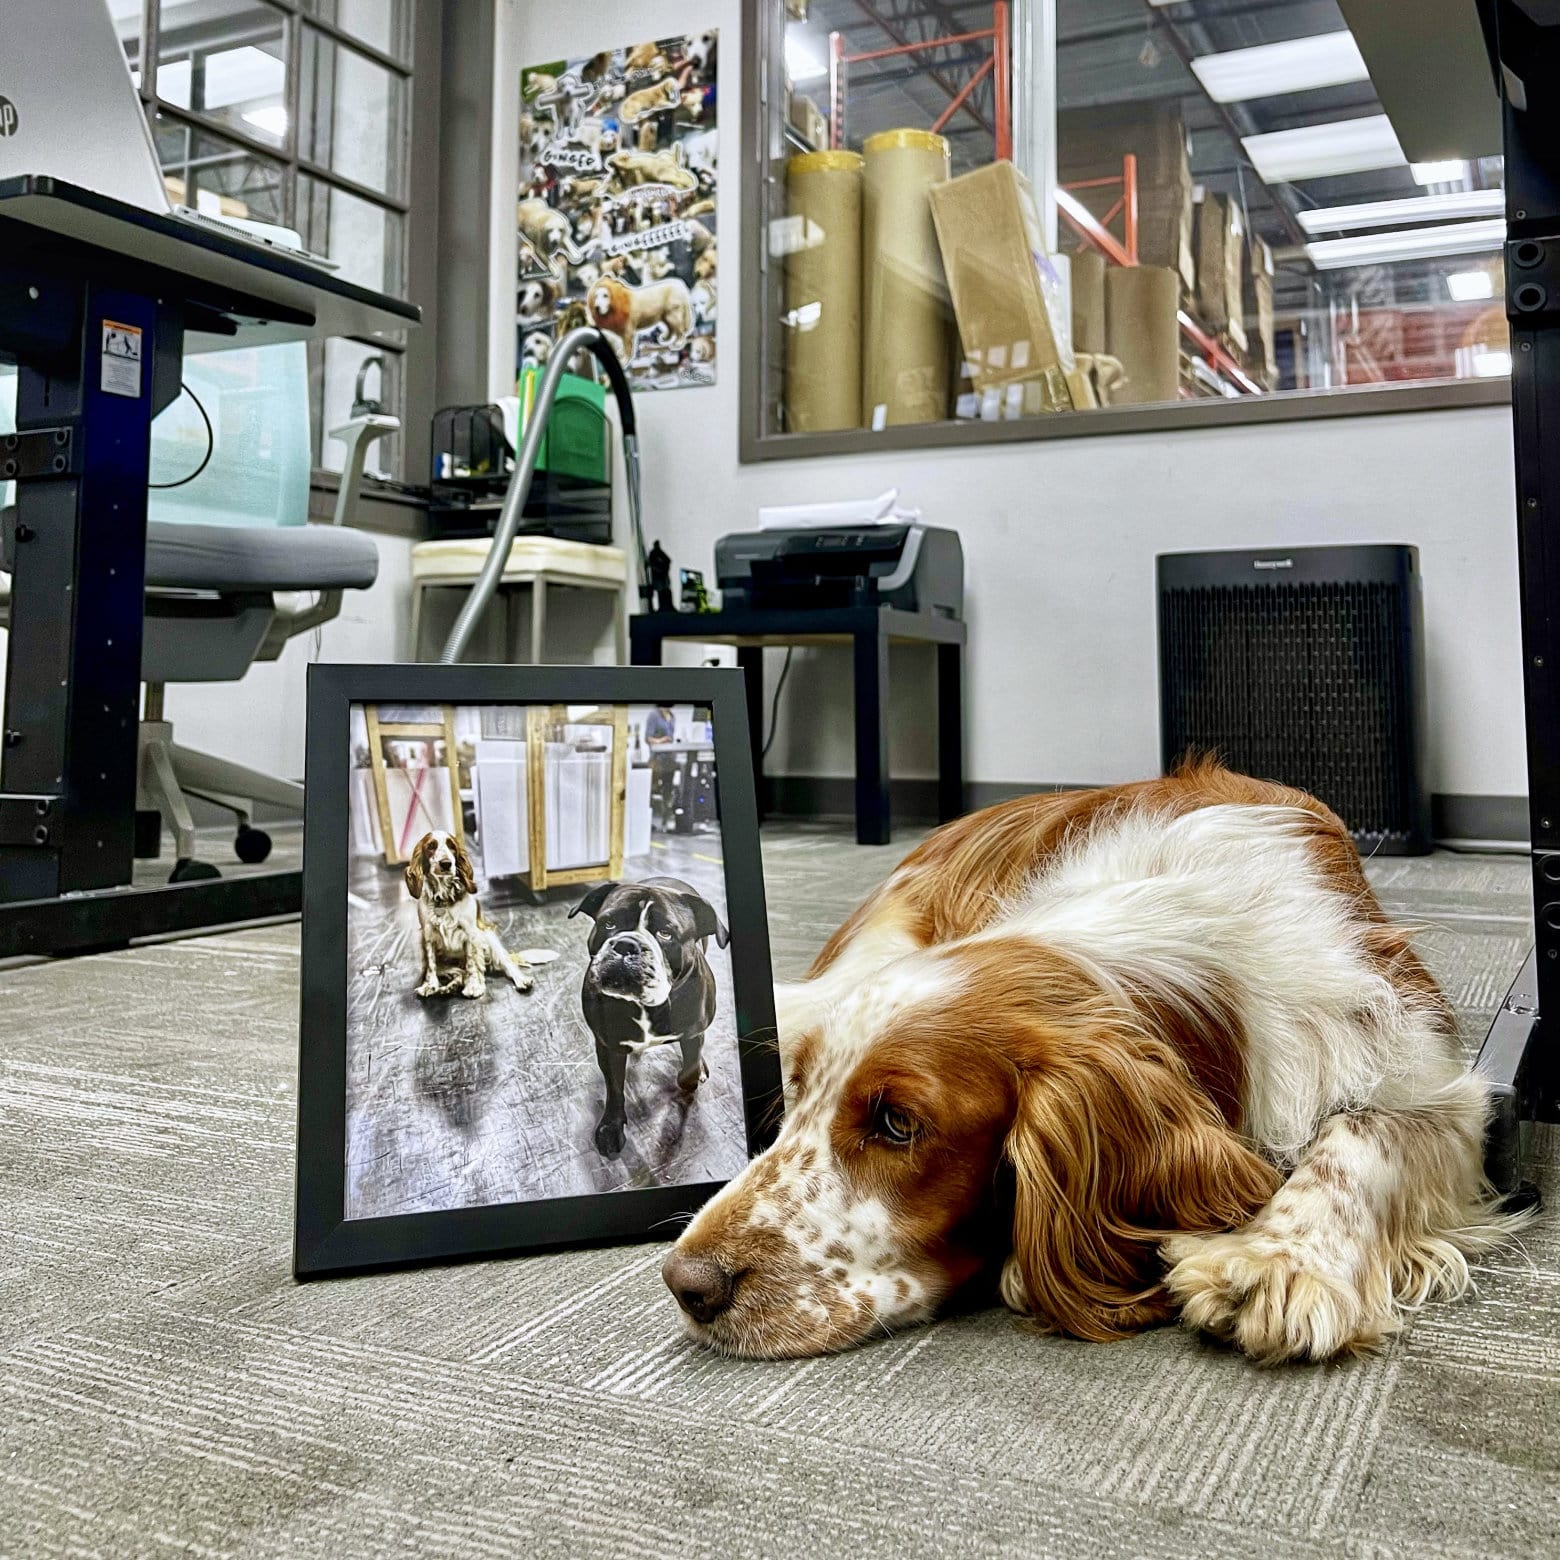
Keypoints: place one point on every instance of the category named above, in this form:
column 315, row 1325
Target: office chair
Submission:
column 227, row 553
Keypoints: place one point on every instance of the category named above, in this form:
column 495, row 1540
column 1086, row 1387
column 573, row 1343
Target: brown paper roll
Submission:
column 1088, row 301
column 823, row 293
column 907, row 321
column 1141, row 330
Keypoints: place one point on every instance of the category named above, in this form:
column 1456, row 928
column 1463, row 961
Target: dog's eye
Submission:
column 664, row 935
column 893, row 1124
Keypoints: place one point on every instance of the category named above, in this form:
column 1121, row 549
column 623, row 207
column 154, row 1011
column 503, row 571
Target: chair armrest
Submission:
column 357, row 435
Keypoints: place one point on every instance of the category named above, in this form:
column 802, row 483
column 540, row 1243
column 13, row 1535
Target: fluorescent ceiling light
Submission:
column 1414, row 208
column 1470, row 286
column 1453, row 171
column 1321, row 151
column 1457, row 238
column 1326, row 60
column 272, row 119
column 801, row 64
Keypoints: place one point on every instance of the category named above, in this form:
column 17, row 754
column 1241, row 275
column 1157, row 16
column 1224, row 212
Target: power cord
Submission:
column 211, row 445
column 774, row 703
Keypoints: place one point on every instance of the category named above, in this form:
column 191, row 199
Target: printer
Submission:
column 919, row 568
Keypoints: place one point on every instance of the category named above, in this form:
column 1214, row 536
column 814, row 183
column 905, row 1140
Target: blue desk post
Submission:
column 96, row 364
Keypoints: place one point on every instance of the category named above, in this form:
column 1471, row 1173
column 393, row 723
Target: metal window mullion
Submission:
column 151, row 26
column 291, row 33
column 357, row 45
column 220, row 128
column 352, row 187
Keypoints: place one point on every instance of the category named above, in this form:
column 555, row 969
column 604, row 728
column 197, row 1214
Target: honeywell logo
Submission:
column 1272, row 563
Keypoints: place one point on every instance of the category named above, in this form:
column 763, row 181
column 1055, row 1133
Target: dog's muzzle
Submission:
column 626, row 965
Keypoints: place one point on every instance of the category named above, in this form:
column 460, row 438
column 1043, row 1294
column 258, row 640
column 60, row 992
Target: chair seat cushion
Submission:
column 259, row 558
column 463, row 557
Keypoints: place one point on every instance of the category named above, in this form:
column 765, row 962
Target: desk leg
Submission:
column 873, row 824
column 950, row 732
column 644, row 645
column 73, row 675
column 751, row 659
column 538, row 617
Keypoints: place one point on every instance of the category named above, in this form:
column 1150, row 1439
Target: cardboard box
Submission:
column 1259, row 312
column 1007, row 296
column 808, row 121
column 1221, row 267
column 1090, row 145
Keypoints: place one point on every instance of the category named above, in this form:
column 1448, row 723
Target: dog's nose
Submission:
column 626, row 944
column 702, row 1287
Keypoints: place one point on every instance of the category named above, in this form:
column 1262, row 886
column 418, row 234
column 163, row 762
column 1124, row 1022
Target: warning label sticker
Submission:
column 121, row 359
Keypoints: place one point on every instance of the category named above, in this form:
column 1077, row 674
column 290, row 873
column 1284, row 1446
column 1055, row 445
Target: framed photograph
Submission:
column 537, row 1007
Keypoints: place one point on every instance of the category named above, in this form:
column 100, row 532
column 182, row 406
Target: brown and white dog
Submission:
column 625, row 312
column 1124, row 1052
column 459, row 944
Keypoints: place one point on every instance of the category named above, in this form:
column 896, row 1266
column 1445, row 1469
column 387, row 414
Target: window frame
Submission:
column 295, row 17
column 763, row 150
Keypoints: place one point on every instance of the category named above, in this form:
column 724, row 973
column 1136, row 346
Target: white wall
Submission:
column 1060, row 536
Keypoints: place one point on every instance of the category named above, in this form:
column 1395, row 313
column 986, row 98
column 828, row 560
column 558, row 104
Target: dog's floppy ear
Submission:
column 414, row 867
column 1114, row 1146
column 705, row 922
column 593, row 901
column 468, row 873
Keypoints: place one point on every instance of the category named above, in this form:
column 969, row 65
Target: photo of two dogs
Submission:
column 648, row 982
column 539, row 998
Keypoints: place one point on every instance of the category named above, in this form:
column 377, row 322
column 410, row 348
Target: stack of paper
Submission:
column 885, row 509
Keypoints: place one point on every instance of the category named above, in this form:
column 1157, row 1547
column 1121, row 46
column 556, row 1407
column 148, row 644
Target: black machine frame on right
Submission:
column 1520, row 1060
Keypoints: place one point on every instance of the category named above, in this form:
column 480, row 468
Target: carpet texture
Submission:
column 166, row 1388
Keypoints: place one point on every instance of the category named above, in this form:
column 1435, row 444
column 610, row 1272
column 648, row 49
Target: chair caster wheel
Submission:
column 252, row 846
column 191, row 871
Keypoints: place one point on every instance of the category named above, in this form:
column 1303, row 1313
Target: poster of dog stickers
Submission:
column 616, row 213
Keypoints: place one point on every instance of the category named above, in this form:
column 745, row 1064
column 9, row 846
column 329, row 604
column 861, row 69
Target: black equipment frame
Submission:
column 1519, row 1059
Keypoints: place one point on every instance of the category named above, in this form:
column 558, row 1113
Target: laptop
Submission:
column 69, row 109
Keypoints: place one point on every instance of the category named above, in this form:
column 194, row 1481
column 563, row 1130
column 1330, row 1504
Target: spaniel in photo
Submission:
column 1117, row 1054
column 459, row 944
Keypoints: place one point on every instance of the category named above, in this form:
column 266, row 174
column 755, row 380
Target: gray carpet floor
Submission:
column 166, row 1388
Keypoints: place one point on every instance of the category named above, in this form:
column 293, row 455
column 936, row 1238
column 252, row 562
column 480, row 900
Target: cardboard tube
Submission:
column 823, row 293
column 907, row 320
column 1141, row 330
column 1088, row 301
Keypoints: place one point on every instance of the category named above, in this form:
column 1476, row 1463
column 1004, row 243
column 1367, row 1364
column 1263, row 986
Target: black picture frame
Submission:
column 325, row 1242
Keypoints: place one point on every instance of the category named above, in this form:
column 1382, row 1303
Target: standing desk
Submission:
column 99, row 300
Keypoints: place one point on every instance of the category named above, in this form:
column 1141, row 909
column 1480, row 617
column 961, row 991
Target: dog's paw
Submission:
column 609, row 1139
column 522, row 981
column 688, row 1083
column 1272, row 1299
column 474, row 988
column 429, row 988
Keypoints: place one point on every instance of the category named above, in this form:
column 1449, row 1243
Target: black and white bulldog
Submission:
column 648, row 983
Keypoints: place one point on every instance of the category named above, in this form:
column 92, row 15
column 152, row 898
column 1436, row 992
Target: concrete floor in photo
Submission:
column 457, row 1103
column 165, row 1387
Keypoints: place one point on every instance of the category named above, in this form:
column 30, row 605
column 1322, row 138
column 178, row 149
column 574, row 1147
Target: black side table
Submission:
column 869, row 631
